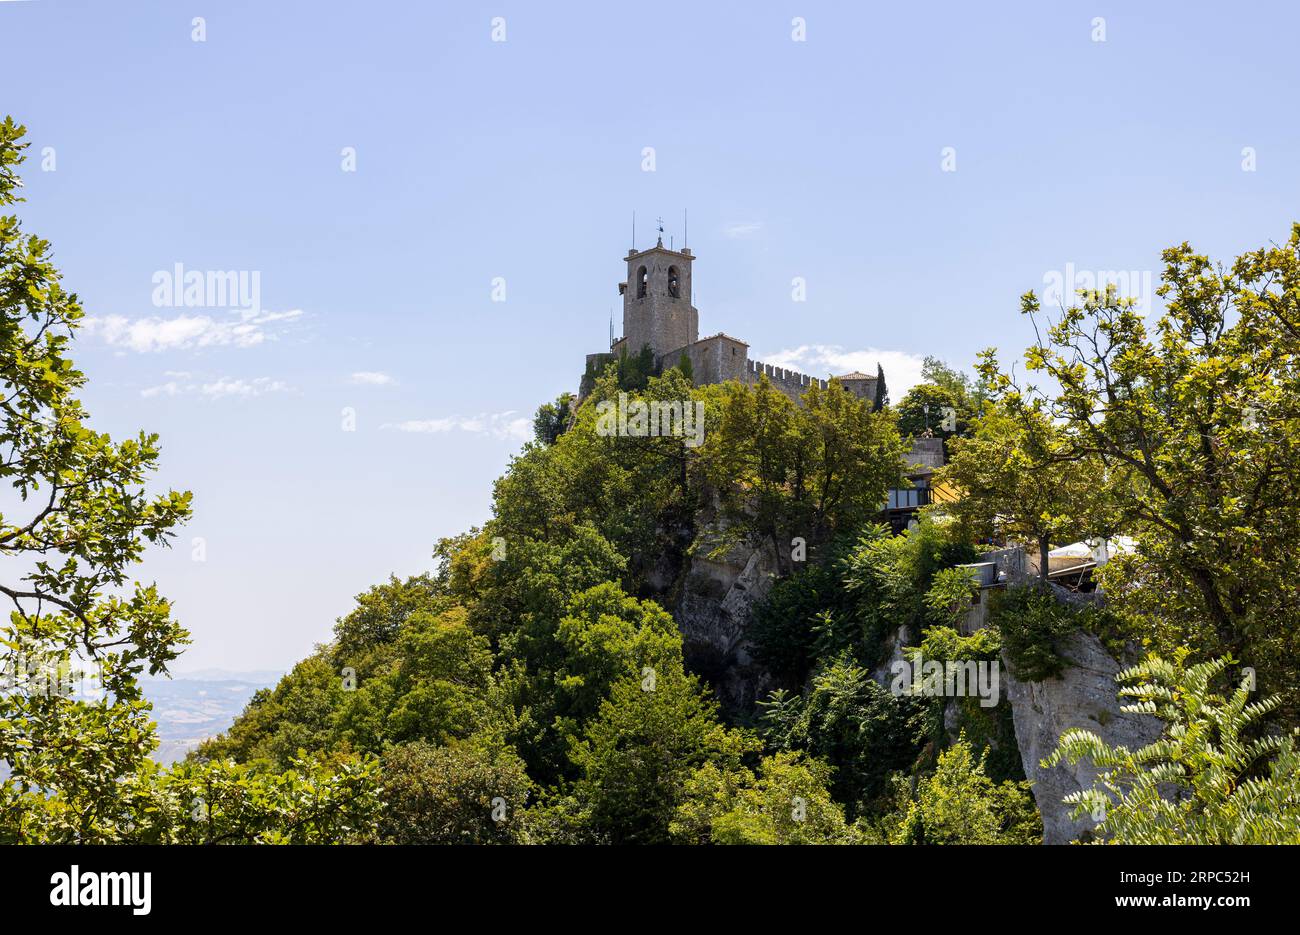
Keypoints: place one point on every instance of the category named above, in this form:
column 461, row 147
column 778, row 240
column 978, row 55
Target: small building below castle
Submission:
column 658, row 314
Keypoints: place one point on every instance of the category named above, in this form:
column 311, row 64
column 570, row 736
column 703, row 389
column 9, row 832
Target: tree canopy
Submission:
column 536, row 687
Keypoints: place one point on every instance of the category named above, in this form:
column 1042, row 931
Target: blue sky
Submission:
column 522, row 159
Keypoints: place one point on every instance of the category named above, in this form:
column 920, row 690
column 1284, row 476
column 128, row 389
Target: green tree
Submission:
column 1193, row 416
column 552, row 419
column 947, row 403
column 784, row 628
column 927, row 409
column 316, row 801
column 636, row 757
column 887, row 577
column 297, row 714
column 76, row 521
column 809, row 471
column 861, row 730
column 882, row 390
column 472, row 792
column 608, row 636
column 377, row 619
column 949, row 596
column 635, row 370
column 1207, row 780
column 990, row 730
column 517, row 589
column 959, row 804
column 971, row 392
column 440, row 688
column 1032, row 620
column 1019, row 478
column 787, row 802
column 402, row 667
column 635, row 492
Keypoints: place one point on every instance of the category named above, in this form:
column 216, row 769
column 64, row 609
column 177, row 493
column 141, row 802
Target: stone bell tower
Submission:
column 657, row 307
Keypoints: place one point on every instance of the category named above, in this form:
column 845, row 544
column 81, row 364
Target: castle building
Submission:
column 657, row 313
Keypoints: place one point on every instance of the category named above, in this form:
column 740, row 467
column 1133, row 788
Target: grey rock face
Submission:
column 883, row 674
column 1083, row 695
column 714, row 611
column 713, row 601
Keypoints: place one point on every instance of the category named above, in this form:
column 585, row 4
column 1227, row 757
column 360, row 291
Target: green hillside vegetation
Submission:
column 533, row 687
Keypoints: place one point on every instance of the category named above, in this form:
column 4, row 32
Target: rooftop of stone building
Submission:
column 723, row 334
column 856, row 375
column 684, row 251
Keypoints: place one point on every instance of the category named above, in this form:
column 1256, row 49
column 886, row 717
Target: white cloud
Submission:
column 170, row 388
column 508, row 425
column 902, row 370
column 225, row 386
column 145, row 335
column 221, row 388
column 370, row 378
column 737, row 230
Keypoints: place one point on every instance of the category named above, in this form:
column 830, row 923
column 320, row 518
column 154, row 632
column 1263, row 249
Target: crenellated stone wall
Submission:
column 790, row 382
column 658, row 313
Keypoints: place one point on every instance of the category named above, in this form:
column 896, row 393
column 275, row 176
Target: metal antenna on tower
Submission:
column 634, row 230
column 686, row 229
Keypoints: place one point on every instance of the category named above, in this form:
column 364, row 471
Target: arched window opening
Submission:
column 672, row 281
column 642, row 282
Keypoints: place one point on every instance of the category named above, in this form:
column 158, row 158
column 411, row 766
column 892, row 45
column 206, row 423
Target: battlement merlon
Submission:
column 791, row 382
column 795, row 384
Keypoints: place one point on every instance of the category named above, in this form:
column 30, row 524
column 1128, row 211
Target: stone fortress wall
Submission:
column 658, row 313
column 790, row 382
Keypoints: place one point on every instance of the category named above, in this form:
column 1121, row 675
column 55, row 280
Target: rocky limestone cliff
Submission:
column 713, row 606
column 1083, row 695
column 713, row 597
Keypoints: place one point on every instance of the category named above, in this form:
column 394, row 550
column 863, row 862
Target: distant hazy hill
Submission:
column 195, row 705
